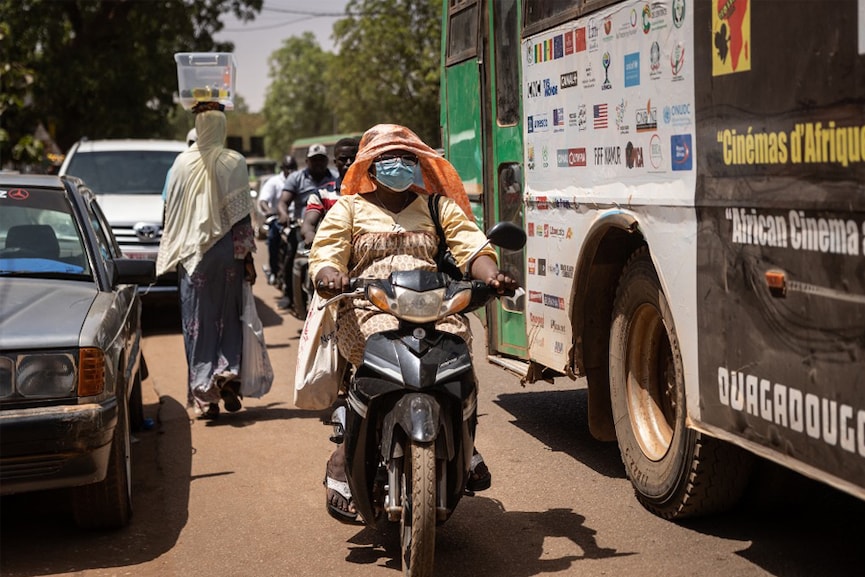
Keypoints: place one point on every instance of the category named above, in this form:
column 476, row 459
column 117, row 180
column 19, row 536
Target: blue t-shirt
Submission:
column 301, row 184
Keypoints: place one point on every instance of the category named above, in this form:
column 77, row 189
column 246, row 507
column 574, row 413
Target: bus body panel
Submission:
column 782, row 160
column 461, row 86
column 729, row 137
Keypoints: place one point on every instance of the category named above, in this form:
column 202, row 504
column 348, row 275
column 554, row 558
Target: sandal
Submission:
column 480, row 478
column 211, row 413
column 231, row 396
column 342, row 489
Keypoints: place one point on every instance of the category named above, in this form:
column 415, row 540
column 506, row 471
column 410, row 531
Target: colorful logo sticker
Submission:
column 15, row 194
column 678, row 13
column 731, row 36
column 599, row 113
column 632, row 69
column 680, row 148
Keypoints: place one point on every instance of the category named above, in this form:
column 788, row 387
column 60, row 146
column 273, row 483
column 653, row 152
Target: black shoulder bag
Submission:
column 444, row 258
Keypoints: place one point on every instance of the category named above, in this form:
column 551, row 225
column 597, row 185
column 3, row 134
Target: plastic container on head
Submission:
column 206, row 77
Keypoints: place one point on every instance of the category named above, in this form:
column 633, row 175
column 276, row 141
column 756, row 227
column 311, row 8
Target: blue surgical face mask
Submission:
column 394, row 174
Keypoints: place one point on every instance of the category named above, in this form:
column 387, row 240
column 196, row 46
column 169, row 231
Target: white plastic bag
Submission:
column 319, row 366
column 256, row 372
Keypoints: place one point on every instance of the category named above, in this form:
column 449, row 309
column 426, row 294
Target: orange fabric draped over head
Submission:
column 439, row 175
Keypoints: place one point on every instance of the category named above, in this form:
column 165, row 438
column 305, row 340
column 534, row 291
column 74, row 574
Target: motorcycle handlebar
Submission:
column 482, row 292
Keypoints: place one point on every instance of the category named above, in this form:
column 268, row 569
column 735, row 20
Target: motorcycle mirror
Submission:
column 507, row 235
column 504, row 234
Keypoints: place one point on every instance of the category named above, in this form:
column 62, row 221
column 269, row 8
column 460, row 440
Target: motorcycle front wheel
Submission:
column 418, row 522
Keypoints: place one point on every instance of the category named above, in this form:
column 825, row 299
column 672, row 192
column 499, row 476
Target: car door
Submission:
column 125, row 302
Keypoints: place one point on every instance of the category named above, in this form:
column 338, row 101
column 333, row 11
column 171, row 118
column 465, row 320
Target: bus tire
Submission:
column 676, row 471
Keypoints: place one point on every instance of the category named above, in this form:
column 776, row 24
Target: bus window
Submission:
column 507, row 62
column 462, row 30
column 539, row 10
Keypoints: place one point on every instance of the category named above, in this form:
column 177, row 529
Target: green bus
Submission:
column 691, row 178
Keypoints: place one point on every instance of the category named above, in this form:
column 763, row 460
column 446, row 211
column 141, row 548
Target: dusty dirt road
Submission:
column 242, row 496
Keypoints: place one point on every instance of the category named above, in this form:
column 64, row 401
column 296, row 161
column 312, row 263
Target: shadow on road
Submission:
column 512, row 543
column 819, row 528
column 559, row 419
column 251, row 415
column 39, row 537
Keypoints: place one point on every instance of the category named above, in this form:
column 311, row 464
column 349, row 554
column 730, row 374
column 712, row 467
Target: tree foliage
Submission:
column 386, row 70
column 105, row 69
column 100, row 68
column 296, row 104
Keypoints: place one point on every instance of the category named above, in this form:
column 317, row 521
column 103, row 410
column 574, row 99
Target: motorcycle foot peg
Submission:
column 337, row 419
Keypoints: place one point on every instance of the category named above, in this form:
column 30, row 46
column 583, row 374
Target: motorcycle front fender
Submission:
column 418, row 415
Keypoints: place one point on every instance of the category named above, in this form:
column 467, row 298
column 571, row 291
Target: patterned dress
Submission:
column 364, row 240
column 211, row 302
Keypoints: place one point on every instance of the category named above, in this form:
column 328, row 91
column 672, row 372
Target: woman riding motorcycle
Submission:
column 382, row 224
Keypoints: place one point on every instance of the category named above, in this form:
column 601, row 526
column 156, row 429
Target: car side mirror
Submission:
column 133, row 271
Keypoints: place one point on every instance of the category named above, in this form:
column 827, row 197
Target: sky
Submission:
column 254, row 42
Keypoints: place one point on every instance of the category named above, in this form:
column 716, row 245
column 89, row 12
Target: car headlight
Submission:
column 418, row 307
column 46, row 375
column 7, row 369
column 52, row 375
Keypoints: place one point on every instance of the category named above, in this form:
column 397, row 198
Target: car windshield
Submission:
column 123, row 171
column 39, row 237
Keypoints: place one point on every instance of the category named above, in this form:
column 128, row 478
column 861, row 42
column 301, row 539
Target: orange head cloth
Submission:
column 439, row 175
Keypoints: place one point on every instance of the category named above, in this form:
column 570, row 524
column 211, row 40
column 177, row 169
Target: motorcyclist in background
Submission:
column 297, row 188
column 317, row 205
column 268, row 201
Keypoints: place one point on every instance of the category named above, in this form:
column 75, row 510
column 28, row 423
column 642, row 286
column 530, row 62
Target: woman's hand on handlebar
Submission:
column 485, row 269
column 503, row 283
column 330, row 282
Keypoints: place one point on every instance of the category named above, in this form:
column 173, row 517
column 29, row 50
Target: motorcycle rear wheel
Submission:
column 418, row 523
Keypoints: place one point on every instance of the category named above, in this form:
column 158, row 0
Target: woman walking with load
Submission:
column 208, row 236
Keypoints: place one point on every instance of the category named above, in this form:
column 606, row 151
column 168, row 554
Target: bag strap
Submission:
column 434, row 214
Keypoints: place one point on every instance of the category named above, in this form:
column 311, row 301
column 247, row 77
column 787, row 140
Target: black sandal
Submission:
column 211, row 413
column 480, row 478
column 230, row 393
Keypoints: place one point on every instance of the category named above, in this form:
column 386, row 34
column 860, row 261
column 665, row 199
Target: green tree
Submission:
column 387, row 69
column 296, row 103
column 100, row 68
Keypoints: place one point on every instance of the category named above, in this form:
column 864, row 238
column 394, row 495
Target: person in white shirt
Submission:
column 268, row 201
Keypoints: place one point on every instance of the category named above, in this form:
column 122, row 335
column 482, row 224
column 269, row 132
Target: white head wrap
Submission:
column 208, row 192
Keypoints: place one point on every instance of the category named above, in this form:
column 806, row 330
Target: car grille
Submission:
column 148, row 234
column 15, row 469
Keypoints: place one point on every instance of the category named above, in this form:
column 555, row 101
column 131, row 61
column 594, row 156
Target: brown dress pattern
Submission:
column 376, row 255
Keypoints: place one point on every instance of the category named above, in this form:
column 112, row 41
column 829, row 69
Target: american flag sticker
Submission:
column 600, row 116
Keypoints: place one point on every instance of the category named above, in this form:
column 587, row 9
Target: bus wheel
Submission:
column 676, row 472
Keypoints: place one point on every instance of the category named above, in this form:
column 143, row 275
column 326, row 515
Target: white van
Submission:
column 128, row 176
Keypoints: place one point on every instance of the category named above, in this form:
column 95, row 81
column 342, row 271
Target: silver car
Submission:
column 70, row 348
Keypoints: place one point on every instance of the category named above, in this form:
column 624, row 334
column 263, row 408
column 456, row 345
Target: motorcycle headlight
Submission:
column 418, row 307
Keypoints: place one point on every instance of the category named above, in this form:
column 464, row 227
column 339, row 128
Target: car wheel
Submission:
column 107, row 504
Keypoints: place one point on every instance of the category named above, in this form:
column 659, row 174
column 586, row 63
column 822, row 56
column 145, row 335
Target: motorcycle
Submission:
column 285, row 258
column 409, row 424
column 301, row 284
